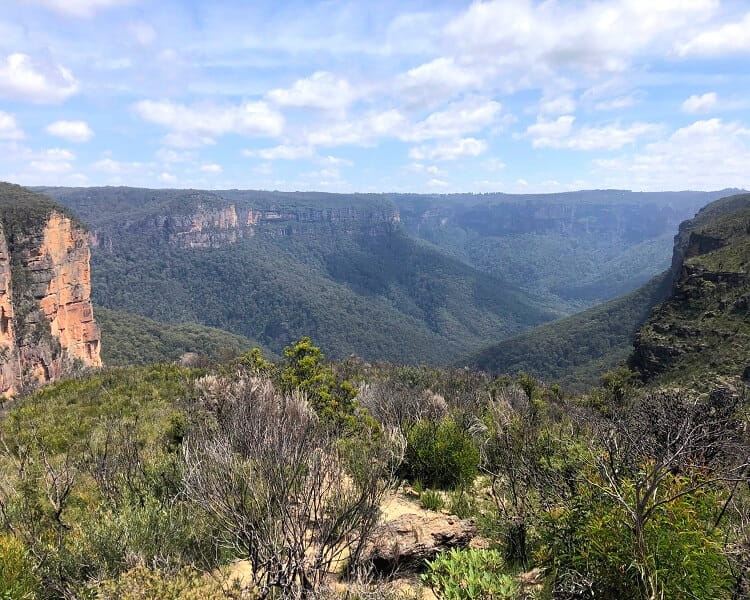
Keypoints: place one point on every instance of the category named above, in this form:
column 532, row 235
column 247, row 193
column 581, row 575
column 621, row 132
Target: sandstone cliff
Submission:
column 202, row 219
column 701, row 333
column 47, row 324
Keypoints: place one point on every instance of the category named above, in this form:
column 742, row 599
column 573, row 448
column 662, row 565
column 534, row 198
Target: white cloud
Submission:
column 336, row 161
column 73, row 131
column 143, row 33
column 558, row 105
column 700, row 104
column 57, row 154
column 50, row 166
column 9, row 129
column 467, row 147
column 211, row 168
column 493, row 165
column 679, row 161
column 438, row 79
column 167, row 155
column 437, row 183
column 193, row 126
column 600, row 37
column 81, row 8
column 115, row 167
column 22, row 78
column 522, row 44
column 52, row 161
column 731, row 38
column 429, row 169
column 167, row 178
column 321, row 90
column 561, row 134
column 457, row 119
column 281, row 152
column 547, row 133
column 616, row 103
column 364, row 131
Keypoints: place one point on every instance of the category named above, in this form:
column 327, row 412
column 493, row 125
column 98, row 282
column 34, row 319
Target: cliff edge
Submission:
column 700, row 335
column 47, row 325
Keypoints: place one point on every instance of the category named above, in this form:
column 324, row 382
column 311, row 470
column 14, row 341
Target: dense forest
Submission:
column 400, row 277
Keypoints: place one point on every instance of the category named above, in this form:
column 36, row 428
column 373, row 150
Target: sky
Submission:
column 387, row 96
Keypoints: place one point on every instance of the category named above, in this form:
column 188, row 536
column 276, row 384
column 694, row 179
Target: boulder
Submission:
column 404, row 544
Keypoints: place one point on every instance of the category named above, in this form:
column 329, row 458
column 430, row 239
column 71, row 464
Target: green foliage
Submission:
column 471, row 574
column 17, row 581
column 142, row 583
column 576, row 350
column 305, row 371
column 129, row 339
column 591, row 544
column 357, row 286
column 699, row 335
column 440, row 454
column 432, row 500
column 462, row 503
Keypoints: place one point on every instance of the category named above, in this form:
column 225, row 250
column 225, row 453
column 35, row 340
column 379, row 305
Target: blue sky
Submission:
column 504, row 95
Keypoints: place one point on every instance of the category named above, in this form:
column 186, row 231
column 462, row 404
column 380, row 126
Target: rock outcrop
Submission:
column 403, row 544
column 216, row 223
column 701, row 333
column 47, row 325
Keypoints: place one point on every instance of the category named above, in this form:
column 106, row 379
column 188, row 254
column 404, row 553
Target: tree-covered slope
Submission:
column 276, row 267
column 574, row 249
column 700, row 336
column 576, row 350
column 129, row 339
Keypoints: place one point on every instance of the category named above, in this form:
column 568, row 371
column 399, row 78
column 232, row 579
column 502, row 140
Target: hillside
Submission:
column 574, row 249
column 401, row 277
column 134, row 340
column 275, row 267
column 576, row 350
column 700, row 336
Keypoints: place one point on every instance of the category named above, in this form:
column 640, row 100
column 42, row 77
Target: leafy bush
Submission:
column 469, row 574
column 440, row 455
column 432, row 500
column 305, row 370
column 142, row 583
column 462, row 504
column 589, row 546
column 16, row 579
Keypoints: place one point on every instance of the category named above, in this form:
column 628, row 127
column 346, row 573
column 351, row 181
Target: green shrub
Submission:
column 440, row 455
column 142, row 583
column 432, row 500
column 469, row 574
column 461, row 504
column 17, row 581
column 592, row 541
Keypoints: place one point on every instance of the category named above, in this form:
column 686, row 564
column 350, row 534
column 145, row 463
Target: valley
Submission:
column 201, row 462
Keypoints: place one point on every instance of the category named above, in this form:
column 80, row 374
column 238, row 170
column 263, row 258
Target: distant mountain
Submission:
column 700, row 336
column 134, row 340
column 690, row 325
column 573, row 249
column 576, row 350
column 403, row 277
column 274, row 267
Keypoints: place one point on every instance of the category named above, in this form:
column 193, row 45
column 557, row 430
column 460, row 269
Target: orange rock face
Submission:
column 9, row 366
column 67, row 301
column 57, row 329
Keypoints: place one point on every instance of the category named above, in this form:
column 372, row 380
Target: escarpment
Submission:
column 203, row 219
column 701, row 333
column 47, row 325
